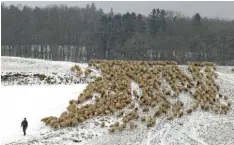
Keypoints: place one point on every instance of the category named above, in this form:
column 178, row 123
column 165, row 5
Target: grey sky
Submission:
column 224, row 10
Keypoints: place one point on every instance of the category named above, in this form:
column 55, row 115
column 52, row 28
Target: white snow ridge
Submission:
column 38, row 99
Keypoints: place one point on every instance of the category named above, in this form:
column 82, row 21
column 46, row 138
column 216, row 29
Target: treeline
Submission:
column 80, row 34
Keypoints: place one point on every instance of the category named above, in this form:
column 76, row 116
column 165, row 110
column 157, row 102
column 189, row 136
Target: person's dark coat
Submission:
column 24, row 124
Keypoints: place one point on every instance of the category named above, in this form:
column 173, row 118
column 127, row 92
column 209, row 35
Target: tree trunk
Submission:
column 29, row 51
column 76, row 53
column 10, row 50
column 55, row 52
column 80, row 51
column 47, row 52
column 63, row 53
column 68, row 52
column 2, row 50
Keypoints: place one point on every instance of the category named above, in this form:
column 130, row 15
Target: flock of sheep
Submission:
column 160, row 84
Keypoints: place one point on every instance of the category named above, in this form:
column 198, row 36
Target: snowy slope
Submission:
column 35, row 102
column 17, row 64
column 23, row 71
column 199, row 128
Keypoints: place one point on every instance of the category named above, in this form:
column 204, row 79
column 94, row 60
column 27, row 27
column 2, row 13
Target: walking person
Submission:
column 24, row 124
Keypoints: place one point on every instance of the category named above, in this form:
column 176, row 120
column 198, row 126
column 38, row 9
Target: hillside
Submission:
column 198, row 127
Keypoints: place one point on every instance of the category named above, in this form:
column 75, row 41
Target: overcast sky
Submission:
column 213, row 9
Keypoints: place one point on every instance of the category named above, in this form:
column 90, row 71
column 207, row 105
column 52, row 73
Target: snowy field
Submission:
column 38, row 72
column 33, row 103
column 37, row 101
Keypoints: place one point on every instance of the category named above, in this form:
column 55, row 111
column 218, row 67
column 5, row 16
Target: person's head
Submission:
column 24, row 118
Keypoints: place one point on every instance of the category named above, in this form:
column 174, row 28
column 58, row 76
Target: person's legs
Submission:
column 24, row 130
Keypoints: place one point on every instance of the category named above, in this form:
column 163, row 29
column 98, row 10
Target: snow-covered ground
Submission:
column 23, row 71
column 36, row 102
column 16, row 64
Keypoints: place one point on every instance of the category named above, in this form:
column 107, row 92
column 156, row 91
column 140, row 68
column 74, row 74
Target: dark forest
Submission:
column 63, row 33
